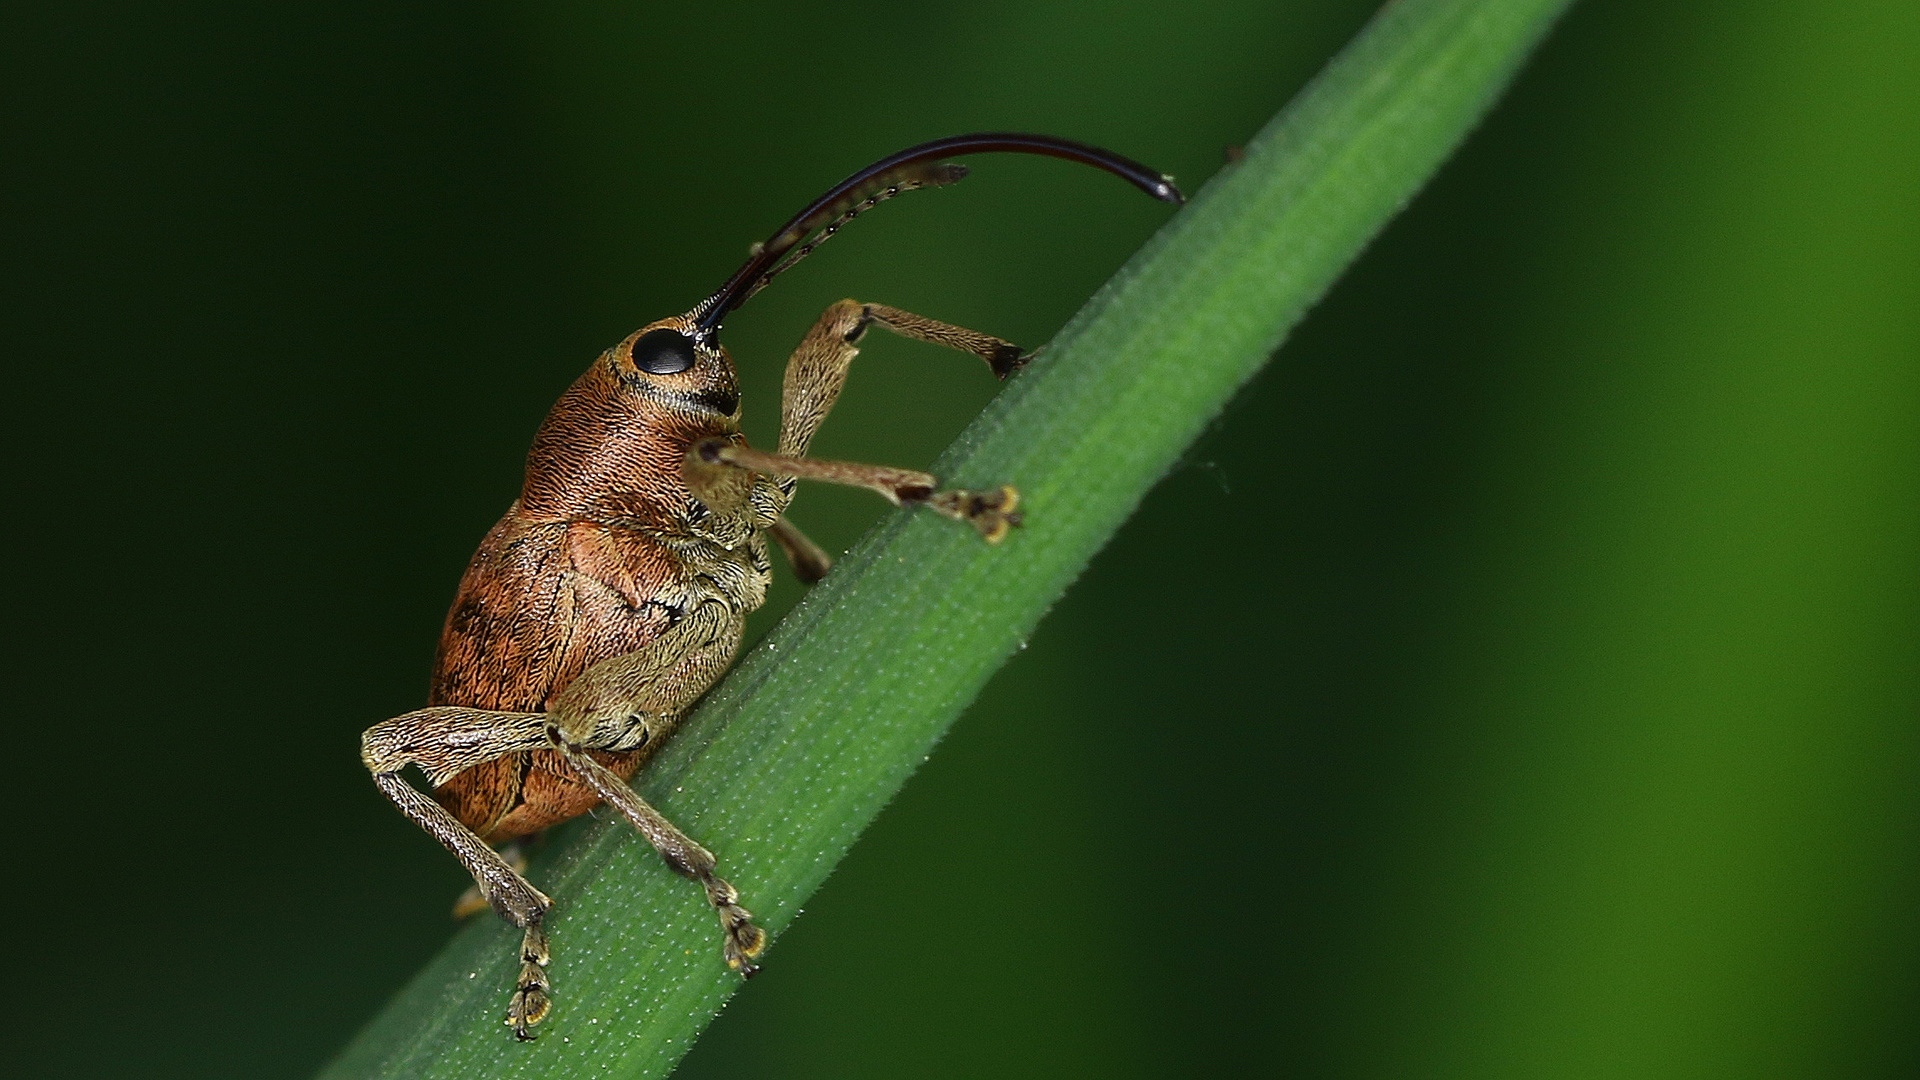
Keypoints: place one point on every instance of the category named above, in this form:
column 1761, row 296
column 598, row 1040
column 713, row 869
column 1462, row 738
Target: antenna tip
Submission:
column 1166, row 192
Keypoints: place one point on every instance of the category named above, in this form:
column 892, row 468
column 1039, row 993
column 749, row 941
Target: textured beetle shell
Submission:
column 578, row 571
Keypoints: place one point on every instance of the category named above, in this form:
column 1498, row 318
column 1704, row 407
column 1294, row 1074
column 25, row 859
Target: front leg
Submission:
column 816, row 373
column 992, row 513
column 817, row 370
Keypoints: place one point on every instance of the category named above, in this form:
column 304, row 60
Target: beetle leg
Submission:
column 817, row 370
column 742, row 939
column 655, row 683
column 471, row 903
column 810, row 562
column 816, row 373
column 442, row 741
column 990, row 512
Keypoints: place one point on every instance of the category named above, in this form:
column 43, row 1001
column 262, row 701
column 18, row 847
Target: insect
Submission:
column 614, row 591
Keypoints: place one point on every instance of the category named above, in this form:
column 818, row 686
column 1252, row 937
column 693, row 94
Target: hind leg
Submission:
column 623, row 703
column 443, row 741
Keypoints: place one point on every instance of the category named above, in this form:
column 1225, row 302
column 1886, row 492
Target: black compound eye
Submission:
column 663, row 352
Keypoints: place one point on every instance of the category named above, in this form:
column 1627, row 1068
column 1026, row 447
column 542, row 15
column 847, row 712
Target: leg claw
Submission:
column 991, row 513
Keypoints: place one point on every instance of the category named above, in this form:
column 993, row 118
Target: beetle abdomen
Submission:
column 540, row 603
column 526, row 792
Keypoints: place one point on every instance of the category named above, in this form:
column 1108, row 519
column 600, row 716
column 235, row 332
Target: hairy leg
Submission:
column 816, row 373
column 650, row 687
column 992, row 513
column 443, row 741
column 809, row 560
column 742, row 940
column 817, row 370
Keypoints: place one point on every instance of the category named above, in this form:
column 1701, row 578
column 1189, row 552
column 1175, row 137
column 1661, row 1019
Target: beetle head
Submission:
column 685, row 375
column 620, row 431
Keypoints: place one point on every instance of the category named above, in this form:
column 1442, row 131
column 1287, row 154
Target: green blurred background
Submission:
column 1520, row 680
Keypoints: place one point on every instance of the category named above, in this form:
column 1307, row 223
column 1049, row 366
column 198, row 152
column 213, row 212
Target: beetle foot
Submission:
column 742, row 940
column 531, row 1001
column 992, row 513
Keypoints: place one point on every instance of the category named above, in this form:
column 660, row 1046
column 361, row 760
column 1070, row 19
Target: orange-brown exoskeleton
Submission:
column 614, row 591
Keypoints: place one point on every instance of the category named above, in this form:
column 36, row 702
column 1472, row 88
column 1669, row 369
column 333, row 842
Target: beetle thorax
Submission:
column 613, row 447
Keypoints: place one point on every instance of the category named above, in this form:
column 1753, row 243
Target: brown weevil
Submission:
column 614, row 591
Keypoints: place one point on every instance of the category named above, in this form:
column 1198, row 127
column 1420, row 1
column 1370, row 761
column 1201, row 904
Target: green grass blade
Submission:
column 795, row 753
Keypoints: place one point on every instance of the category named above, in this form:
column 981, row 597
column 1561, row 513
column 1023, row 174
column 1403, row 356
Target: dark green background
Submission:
column 1519, row 681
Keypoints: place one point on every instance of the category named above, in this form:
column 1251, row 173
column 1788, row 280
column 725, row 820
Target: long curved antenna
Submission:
column 914, row 167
